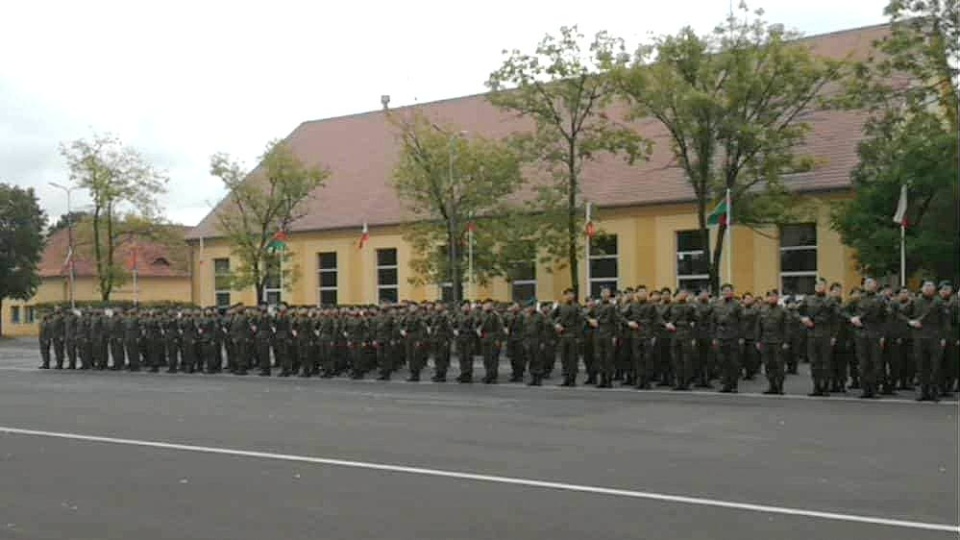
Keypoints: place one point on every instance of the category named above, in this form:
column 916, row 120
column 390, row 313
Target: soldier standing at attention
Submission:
column 153, row 336
column 950, row 365
column 306, row 341
column 46, row 339
column 532, row 328
column 820, row 314
column 280, row 341
column 131, row 338
column 70, row 338
column 589, row 342
column 513, row 321
column 463, row 334
column 928, row 318
column 115, row 331
column 241, row 337
column 605, row 324
column 703, row 366
column 442, row 329
column 772, row 337
column 567, row 323
column 261, row 338
column 58, row 336
column 171, row 340
column 748, row 323
column 190, row 338
column 490, row 331
column 383, row 331
column 664, row 361
column 643, row 321
column 898, row 343
column 550, row 343
column 84, row 345
column 727, row 339
column 413, row 330
column 682, row 319
column 98, row 338
column 870, row 319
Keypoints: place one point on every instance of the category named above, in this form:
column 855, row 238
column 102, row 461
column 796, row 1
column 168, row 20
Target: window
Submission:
column 693, row 269
column 160, row 261
column 29, row 315
column 446, row 291
column 221, row 282
column 388, row 277
column 798, row 258
column 15, row 314
column 603, row 264
column 327, row 278
column 273, row 283
column 523, row 281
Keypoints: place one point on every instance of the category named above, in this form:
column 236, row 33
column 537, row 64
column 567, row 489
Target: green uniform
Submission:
column 533, row 329
column 683, row 316
column 873, row 312
column 84, row 344
column 190, row 335
column 115, row 333
column 466, row 327
column 70, row 339
column 934, row 326
column 132, row 335
column 771, row 334
column 823, row 313
column 46, row 341
column 899, row 356
column 642, row 340
column 441, row 334
column 726, row 329
column 171, row 341
column 98, row 339
column 749, row 355
column 153, row 335
column 608, row 324
column 490, row 332
column 513, row 321
column 704, row 366
column 241, row 335
column 280, row 343
column 414, row 332
column 568, row 322
column 57, row 335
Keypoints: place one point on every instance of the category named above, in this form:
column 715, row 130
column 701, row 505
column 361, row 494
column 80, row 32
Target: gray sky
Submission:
column 182, row 80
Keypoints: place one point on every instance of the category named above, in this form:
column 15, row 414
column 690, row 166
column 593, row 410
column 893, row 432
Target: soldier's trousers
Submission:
column 45, row 345
column 241, row 349
column 870, row 357
column 262, row 347
column 172, row 347
column 819, row 352
column 189, row 355
column 58, row 351
column 281, row 351
column 750, row 357
column 465, row 356
column 84, row 350
column 441, row 356
column 71, row 346
column 414, row 351
column 569, row 355
column 949, row 366
column 893, row 364
column 641, row 353
column 664, row 360
column 99, row 353
column 516, row 350
column 117, row 352
column 489, row 349
column 155, row 353
column 728, row 356
column 603, row 347
column 772, row 356
column 549, row 356
column 533, row 352
column 133, row 354
column 327, row 359
column 703, row 367
column 927, row 353
column 908, row 367
column 683, row 349
column 590, row 355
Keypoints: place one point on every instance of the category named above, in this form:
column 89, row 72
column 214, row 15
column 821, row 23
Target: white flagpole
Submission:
column 200, row 277
column 729, row 238
column 470, row 258
column 903, row 255
column 586, row 294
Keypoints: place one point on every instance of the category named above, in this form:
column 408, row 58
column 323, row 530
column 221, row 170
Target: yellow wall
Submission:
column 154, row 289
column 646, row 246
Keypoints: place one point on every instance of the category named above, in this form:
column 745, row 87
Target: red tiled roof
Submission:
column 152, row 259
column 360, row 150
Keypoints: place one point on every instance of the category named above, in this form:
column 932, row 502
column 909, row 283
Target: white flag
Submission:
column 901, row 216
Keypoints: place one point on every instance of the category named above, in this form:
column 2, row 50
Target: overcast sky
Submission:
column 182, row 80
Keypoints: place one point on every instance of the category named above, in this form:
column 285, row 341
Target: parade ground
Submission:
column 112, row 455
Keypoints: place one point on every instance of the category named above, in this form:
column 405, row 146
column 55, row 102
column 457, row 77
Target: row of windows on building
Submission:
column 798, row 269
column 23, row 314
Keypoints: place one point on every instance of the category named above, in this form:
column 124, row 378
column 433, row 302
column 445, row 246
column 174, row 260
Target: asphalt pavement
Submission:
column 103, row 455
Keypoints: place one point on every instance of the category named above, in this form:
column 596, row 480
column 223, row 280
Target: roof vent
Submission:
column 385, row 101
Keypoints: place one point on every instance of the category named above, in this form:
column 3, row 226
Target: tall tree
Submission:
column 564, row 90
column 911, row 91
column 21, row 243
column 119, row 180
column 260, row 206
column 67, row 220
column 448, row 180
column 733, row 103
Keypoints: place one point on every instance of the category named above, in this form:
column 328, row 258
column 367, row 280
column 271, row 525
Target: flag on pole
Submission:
column 472, row 226
column 364, row 237
column 281, row 236
column 721, row 213
column 590, row 229
column 133, row 258
column 900, row 217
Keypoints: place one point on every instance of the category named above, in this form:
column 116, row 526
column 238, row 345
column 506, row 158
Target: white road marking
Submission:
column 662, row 497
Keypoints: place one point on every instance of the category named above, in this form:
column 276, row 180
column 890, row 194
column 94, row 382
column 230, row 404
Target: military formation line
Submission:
column 877, row 341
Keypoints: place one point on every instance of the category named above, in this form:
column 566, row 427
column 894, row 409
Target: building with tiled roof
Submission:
column 645, row 208
column 162, row 268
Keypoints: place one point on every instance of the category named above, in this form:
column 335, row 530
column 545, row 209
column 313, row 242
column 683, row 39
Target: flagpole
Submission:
column 586, row 294
column 903, row 256
column 200, row 271
column 470, row 259
column 729, row 238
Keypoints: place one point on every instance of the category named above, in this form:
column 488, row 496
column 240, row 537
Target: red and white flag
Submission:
column 364, row 237
column 901, row 216
column 590, row 229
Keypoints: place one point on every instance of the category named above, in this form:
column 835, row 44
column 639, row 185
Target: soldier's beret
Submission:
column 946, row 284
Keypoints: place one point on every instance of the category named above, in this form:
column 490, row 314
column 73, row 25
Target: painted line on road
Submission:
column 661, row 497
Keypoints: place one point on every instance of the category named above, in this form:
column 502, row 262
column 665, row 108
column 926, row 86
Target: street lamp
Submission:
column 68, row 191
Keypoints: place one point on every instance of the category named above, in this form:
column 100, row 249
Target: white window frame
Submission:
column 396, row 285
column 278, row 291
column 681, row 278
column 29, row 315
column 613, row 283
column 217, row 292
column 442, row 287
column 321, row 271
column 815, row 248
column 525, row 282
column 16, row 316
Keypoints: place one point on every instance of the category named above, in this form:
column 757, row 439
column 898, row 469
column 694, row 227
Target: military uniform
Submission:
column 872, row 312
column 115, row 333
column 750, row 356
column 441, row 331
column 153, row 336
column 190, row 338
column 171, row 341
column 607, row 324
column 568, row 322
column 98, row 338
column 683, row 316
column 513, row 321
column 280, row 343
column 898, row 373
column 241, row 335
column 821, row 315
column 414, row 331
column 772, row 334
column 466, row 326
column 132, row 335
column 84, row 343
column 931, row 317
column 704, row 368
column 57, row 334
column 642, row 340
column 490, row 332
column 46, row 340
column 726, row 324
column 70, row 339
column 533, row 329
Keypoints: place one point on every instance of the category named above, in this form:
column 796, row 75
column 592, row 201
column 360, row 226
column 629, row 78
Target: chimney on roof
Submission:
column 385, row 101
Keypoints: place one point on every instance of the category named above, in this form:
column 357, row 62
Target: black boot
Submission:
column 605, row 381
column 591, row 378
column 414, row 376
column 535, row 380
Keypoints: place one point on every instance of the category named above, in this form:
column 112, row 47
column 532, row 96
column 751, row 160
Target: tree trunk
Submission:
column 106, row 286
column 715, row 261
column 572, row 244
column 452, row 240
column 1, row 316
column 97, row 248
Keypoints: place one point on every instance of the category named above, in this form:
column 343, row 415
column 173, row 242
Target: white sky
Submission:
column 182, row 80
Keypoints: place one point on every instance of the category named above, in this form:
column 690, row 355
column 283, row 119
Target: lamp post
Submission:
column 72, row 278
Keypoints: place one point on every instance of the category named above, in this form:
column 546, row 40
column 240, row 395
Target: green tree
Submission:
column 21, row 243
column 733, row 102
column 565, row 91
column 120, row 182
column 66, row 220
column 449, row 181
column 911, row 91
column 261, row 205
